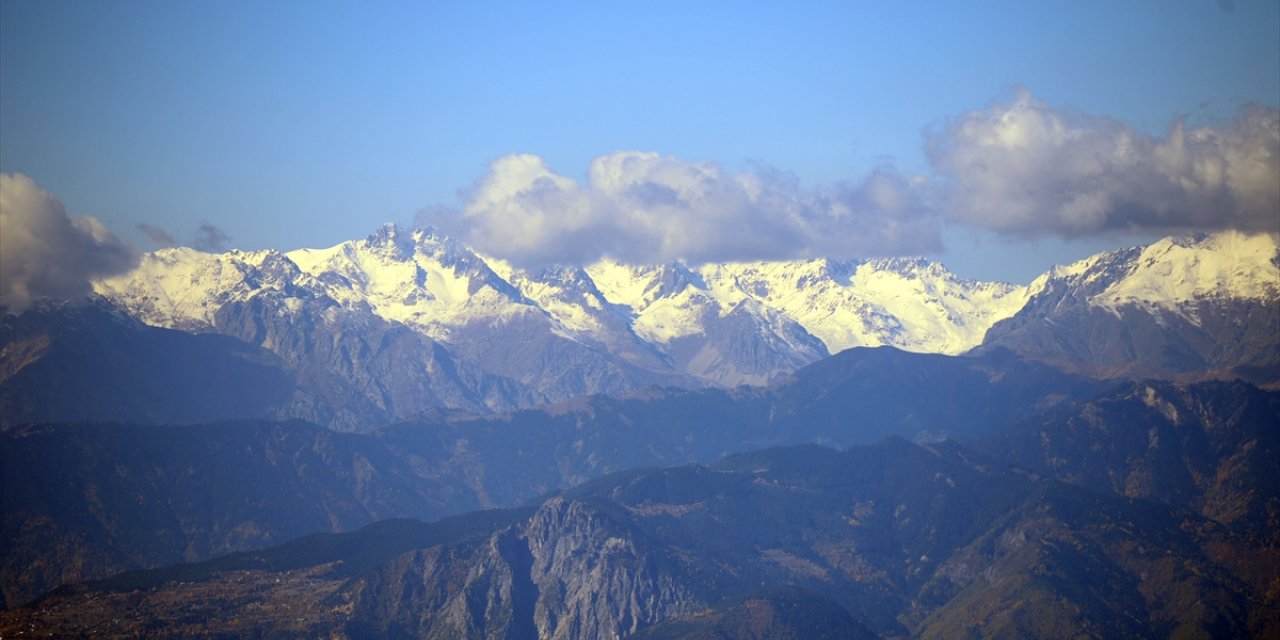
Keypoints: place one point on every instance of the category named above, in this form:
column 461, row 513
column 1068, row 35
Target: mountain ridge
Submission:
column 563, row 331
column 1197, row 307
column 896, row 539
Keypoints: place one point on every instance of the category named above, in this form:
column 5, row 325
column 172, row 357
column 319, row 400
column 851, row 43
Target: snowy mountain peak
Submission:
column 911, row 267
column 1172, row 273
column 1206, row 305
column 909, row 303
column 391, row 241
column 725, row 323
column 420, row 278
column 183, row 288
column 640, row 286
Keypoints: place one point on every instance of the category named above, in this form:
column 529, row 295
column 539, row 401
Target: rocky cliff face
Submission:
column 569, row 571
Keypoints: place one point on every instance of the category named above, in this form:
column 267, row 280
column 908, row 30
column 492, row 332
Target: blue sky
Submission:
column 305, row 124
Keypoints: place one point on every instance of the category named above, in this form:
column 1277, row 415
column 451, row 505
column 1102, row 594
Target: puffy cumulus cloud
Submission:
column 1025, row 168
column 45, row 253
column 641, row 207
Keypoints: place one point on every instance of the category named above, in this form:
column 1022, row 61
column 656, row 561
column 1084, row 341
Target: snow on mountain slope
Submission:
column 1170, row 275
column 581, row 312
column 182, row 288
column 723, row 323
column 912, row 304
column 551, row 331
column 1175, row 271
column 726, row 323
column 1205, row 306
column 420, row 278
column 639, row 286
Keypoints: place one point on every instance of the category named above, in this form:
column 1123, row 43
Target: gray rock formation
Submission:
column 570, row 571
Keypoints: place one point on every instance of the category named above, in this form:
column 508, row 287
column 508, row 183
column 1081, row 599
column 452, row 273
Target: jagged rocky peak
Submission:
column 908, row 266
column 401, row 256
column 392, row 241
column 763, row 280
column 567, row 277
column 183, row 288
column 568, row 571
column 673, row 278
column 275, row 264
column 445, row 250
column 640, row 286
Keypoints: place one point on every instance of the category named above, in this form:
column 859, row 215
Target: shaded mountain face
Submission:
column 880, row 392
column 894, row 539
column 452, row 463
column 86, row 501
column 431, row 469
column 1210, row 448
column 1190, row 308
column 354, row 371
column 90, row 362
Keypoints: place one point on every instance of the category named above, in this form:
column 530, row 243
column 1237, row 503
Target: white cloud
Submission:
column 1026, row 168
column 45, row 253
column 645, row 208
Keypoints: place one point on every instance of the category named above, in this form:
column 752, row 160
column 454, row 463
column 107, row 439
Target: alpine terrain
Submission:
column 872, row 448
column 403, row 322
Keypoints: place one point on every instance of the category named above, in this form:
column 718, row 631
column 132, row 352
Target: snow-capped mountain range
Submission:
column 607, row 327
column 1175, row 274
column 658, row 317
column 1186, row 308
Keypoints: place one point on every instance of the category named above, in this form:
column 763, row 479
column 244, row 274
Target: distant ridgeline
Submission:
column 372, row 332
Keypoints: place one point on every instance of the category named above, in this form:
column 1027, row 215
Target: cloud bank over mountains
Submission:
column 1025, row 168
column 46, row 253
column 646, row 208
column 1020, row 168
